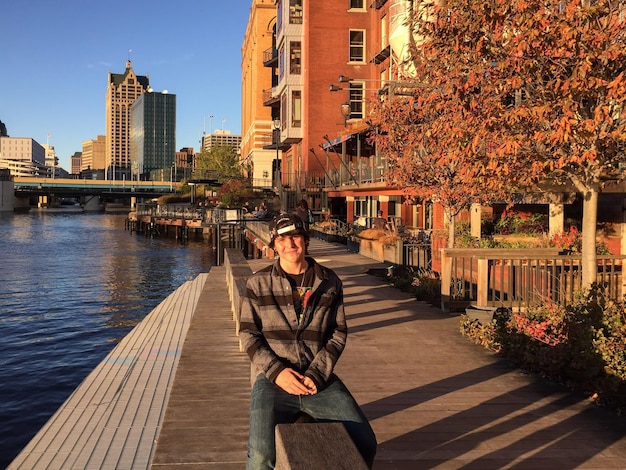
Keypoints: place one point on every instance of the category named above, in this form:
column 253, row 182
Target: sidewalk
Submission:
column 435, row 400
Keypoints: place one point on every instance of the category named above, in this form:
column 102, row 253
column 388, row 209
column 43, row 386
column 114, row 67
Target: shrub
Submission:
column 521, row 222
column 424, row 284
column 571, row 241
column 582, row 344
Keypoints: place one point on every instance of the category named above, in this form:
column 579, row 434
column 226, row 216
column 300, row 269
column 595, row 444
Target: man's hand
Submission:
column 294, row 383
column 308, row 383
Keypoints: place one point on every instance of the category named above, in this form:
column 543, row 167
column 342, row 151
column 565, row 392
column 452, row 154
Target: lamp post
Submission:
column 277, row 178
column 345, row 112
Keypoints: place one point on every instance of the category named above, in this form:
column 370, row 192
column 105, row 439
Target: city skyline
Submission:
column 55, row 80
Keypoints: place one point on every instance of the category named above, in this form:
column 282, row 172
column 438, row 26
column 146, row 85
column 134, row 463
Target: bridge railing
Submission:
column 180, row 211
column 171, row 211
column 219, row 215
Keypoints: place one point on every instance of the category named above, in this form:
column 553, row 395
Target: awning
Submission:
column 337, row 141
column 382, row 55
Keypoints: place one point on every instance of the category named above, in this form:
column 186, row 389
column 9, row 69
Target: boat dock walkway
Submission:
column 175, row 391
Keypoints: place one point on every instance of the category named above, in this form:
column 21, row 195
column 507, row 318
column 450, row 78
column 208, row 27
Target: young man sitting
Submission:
column 293, row 328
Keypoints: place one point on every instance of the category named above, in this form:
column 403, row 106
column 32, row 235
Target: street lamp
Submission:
column 276, row 124
column 193, row 193
column 345, row 112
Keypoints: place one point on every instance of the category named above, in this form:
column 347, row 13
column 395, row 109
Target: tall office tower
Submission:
column 122, row 91
column 153, row 136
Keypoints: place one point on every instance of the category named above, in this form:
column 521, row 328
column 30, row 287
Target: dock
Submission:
column 174, row 393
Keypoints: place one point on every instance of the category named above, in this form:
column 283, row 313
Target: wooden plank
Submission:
column 206, row 422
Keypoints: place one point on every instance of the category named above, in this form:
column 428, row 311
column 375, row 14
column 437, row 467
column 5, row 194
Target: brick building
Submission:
column 323, row 62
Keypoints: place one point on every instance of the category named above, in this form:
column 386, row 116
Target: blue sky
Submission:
column 56, row 55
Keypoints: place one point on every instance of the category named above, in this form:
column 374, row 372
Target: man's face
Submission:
column 291, row 248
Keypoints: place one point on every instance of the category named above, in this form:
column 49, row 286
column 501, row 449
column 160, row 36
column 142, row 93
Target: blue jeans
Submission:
column 270, row 405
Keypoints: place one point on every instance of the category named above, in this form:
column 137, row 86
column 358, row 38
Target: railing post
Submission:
column 446, row 279
column 482, row 282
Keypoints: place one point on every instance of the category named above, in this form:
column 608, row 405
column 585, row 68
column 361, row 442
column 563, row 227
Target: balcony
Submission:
column 270, row 57
column 364, row 175
column 270, row 97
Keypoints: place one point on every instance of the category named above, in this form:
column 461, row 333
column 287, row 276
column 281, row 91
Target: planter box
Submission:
column 329, row 237
column 380, row 252
column 483, row 315
column 353, row 245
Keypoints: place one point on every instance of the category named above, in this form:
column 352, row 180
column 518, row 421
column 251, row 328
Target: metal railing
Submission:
column 270, row 54
column 366, row 173
column 417, row 255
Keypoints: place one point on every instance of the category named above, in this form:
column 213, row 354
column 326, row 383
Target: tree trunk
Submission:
column 589, row 256
column 450, row 229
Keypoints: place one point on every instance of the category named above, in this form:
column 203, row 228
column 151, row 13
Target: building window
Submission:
column 356, row 100
column 283, row 111
column 296, row 108
column 354, row 4
column 281, row 62
column 384, row 37
column 295, row 11
column 357, row 45
column 295, row 55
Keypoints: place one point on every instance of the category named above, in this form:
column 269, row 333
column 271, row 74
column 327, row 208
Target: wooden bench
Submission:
column 316, row 446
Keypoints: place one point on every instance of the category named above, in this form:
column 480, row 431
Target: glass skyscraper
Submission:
column 153, row 136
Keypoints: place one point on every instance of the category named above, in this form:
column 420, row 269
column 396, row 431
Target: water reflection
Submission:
column 71, row 286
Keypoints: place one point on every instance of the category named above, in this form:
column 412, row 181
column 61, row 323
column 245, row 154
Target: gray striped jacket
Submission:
column 270, row 333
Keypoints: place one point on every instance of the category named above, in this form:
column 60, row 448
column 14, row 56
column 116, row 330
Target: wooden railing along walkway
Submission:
column 518, row 278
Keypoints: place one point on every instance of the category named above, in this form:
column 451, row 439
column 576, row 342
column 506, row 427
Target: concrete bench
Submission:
column 237, row 273
column 316, row 446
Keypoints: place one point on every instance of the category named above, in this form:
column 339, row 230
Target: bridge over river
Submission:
column 68, row 187
column 49, row 191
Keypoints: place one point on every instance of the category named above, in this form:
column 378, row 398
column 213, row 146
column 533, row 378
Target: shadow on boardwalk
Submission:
column 436, row 400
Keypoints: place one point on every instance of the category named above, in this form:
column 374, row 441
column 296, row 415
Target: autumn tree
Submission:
column 222, row 159
column 428, row 155
column 437, row 140
column 534, row 93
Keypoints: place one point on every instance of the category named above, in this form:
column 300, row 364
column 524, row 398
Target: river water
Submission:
column 71, row 286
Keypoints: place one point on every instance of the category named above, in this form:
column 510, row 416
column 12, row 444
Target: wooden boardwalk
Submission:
column 112, row 419
column 435, row 400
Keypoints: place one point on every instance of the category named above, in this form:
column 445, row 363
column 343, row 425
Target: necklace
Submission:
column 302, row 282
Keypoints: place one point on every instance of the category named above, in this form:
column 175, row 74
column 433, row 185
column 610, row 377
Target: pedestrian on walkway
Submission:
column 303, row 211
column 293, row 328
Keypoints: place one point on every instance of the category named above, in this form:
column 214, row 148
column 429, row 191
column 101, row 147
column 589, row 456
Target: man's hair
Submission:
column 287, row 224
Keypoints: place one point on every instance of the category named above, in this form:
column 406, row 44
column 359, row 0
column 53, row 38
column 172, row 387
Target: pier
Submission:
column 174, row 393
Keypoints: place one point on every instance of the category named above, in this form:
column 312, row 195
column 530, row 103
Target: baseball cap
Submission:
column 286, row 224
